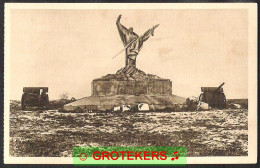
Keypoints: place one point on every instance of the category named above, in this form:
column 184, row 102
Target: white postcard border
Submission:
column 252, row 74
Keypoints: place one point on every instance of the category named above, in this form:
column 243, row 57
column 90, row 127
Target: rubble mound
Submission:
column 129, row 73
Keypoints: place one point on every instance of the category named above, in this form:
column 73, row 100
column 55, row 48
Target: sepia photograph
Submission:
column 139, row 75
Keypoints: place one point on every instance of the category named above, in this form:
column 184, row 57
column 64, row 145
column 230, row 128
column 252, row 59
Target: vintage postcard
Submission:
column 117, row 79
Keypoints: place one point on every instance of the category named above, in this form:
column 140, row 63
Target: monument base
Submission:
column 129, row 86
column 107, row 103
column 150, row 87
column 131, row 81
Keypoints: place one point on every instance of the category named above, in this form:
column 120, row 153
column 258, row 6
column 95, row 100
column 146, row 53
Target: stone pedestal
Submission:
column 131, row 87
column 131, row 81
column 128, row 86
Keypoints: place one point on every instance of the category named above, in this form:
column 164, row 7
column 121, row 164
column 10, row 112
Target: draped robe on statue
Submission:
column 132, row 42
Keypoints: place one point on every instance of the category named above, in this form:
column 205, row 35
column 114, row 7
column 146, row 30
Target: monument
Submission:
column 132, row 42
column 130, row 80
column 129, row 85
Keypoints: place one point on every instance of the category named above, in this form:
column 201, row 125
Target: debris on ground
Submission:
column 203, row 106
column 192, row 103
column 235, row 106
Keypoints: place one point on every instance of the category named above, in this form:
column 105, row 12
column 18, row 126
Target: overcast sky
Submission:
column 66, row 49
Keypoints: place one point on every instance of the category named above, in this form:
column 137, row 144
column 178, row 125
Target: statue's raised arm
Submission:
column 122, row 30
column 120, row 26
column 148, row 33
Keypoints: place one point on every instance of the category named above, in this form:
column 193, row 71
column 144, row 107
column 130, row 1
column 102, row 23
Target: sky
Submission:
column 66, row 49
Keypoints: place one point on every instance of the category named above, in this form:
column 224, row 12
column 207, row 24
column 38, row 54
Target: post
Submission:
column 125, row 57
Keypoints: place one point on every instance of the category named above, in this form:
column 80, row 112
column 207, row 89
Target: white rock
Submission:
column 143, row 107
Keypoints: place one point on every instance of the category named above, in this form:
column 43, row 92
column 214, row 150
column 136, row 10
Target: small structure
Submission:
column 143, row 107
column 203, row 106
column 35, row 96
column 117, row 109
column 126, row 108
column 122, row 108
column 214, row 96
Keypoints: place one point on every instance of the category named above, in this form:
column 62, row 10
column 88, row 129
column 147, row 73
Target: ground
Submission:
column 49, row 133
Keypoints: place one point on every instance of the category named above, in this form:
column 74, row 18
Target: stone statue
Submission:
column 132, row 42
